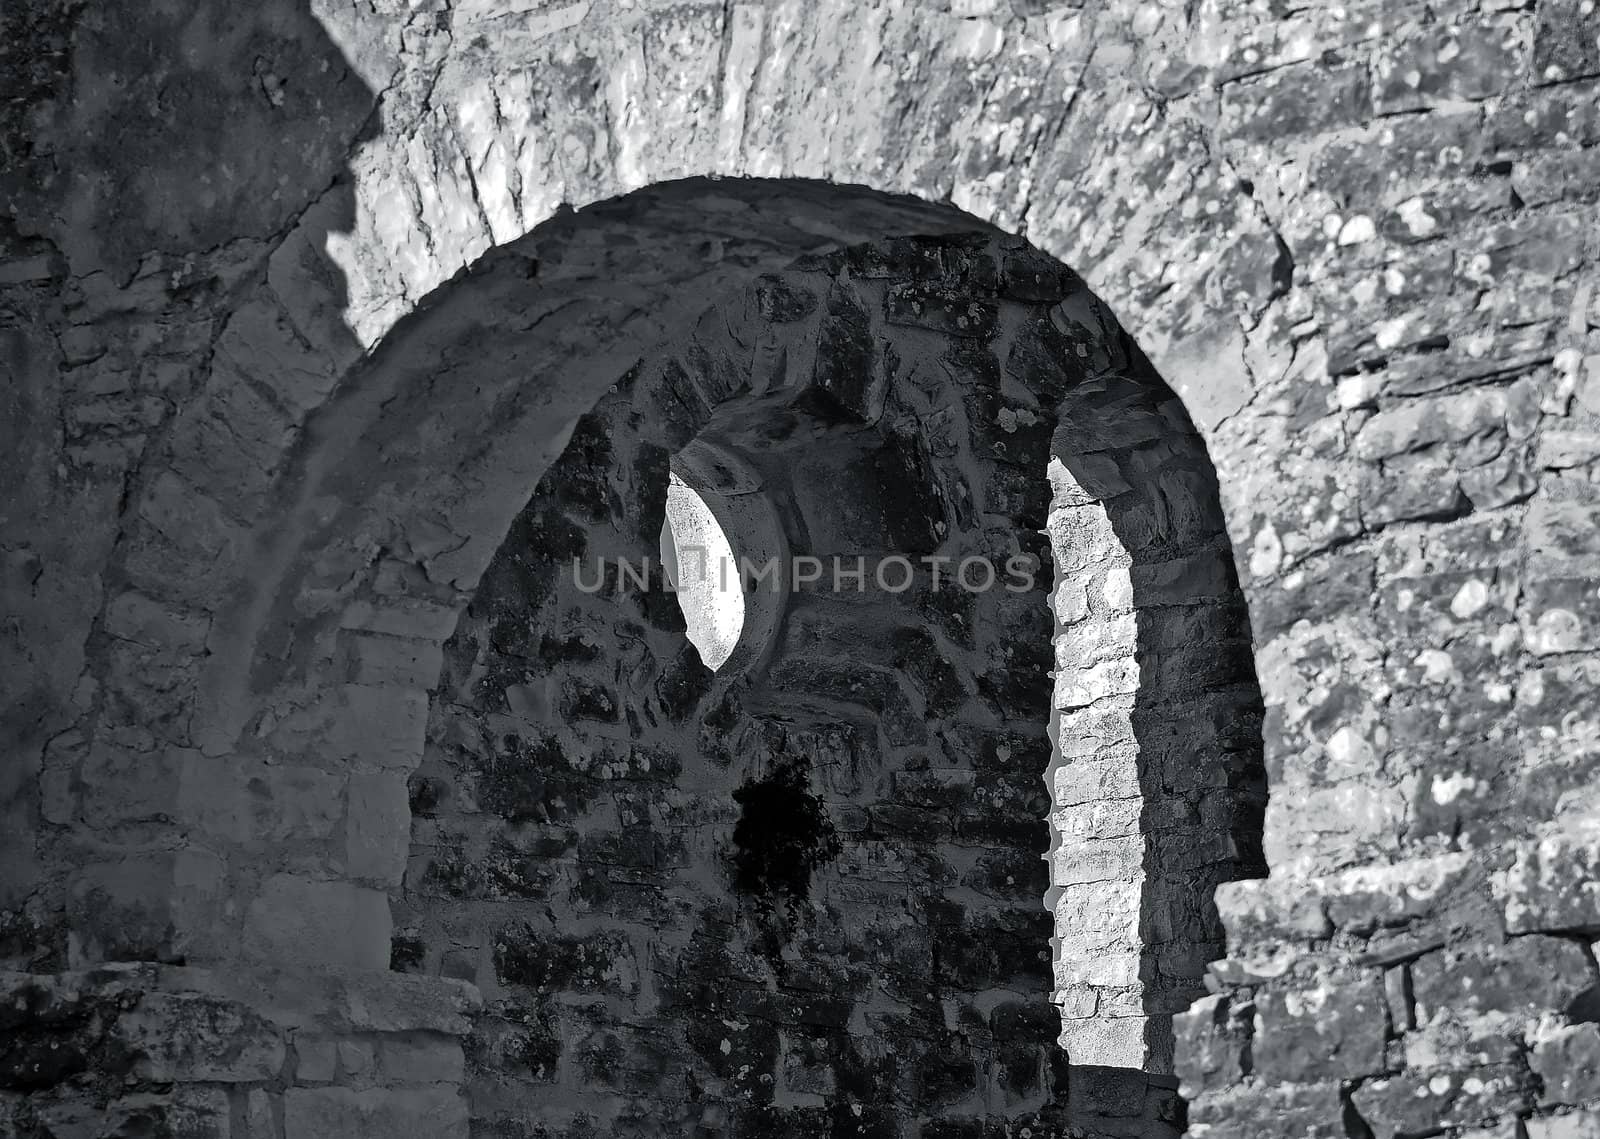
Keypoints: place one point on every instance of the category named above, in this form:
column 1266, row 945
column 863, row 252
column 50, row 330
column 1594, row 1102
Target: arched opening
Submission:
column 804, row 883
column 232, row 620
column 412, row 643
column 704, row 570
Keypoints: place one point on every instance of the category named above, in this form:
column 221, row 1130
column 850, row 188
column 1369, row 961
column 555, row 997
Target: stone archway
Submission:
column 293, row 813
column 535, row 721
column 1390, row 371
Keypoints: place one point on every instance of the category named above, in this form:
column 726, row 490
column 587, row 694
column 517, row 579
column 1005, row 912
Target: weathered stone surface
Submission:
column 299, row 921
column 1407, row 1103
column 1334, row 1027
column 1526, row 976
column 1564, row 42
column 1309, row 1111
column 415, row 1059
column 1210, row 1047
column 376, row 1111
column 1566, row 1058
column 198, row 1111
column 1472, row 62
column 1570, row 1125
column 187, row 1038
column 377, row 826
column 1359, row 242
column 1256, row 912
column 1553, row 885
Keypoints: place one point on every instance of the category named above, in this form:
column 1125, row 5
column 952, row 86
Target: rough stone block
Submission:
column 942, row 310
column 1547, row 179
column 190, row 1112
column 1299, row 99
column 1553, row 886
column 297, row 921
column 1100, row 908
column 783, row 301
column 1419, row 423
column 338, row 1113
column 1111, row 1042
column 233, row 439
column 136, row 617
column 259, row 343
column 1209, row 1046
column 1566, row 41
column 1303, row 1111
column 1526, row 976
column 1567, row 1059
column 1267, row 911
column 357, row 1059
column 1370, row 898
column 316, row 1059
column 184, row 1037
column 1099, row 822
column 1103, row 860
column 324, row 1002
column 1472, row 62
column 1573, row 1125
column 152, row 908
column 1081, row 687
column 262, row 1112
column 845, row 369
column 402, row 617
column 1459, row 1044
column 378, row 659
column 421, row 1059
column 377, row 827
column 1412, row 1103
column 1025, row 275
column 256, row 804
column 1504, row 1129
column 123, row 786
column 378, row 727
column 1333, row 1027
column 1561, row 614
column 1411, row 487
column 1096, row 642
column 544, row 963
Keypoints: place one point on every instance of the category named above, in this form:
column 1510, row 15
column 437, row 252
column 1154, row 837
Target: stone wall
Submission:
column 1355, row 239
column 810, row 889
column 127, row 1050
column 1453, row 992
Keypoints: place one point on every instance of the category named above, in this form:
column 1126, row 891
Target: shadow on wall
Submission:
column 154, row 162
column 173, row 131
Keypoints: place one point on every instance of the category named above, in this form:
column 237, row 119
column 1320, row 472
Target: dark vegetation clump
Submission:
column 783, row 834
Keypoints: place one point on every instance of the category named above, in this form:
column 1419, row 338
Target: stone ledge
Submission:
column 1544, row 885
column 321, row 1000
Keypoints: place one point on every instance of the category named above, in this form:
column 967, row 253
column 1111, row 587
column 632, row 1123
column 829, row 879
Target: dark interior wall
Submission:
column 810, row 892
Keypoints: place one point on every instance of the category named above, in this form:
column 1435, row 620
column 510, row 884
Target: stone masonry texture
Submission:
column 332, row 331
column 859, row 923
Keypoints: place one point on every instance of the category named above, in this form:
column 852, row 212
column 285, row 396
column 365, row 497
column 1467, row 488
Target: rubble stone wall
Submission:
column 141, row 1049
column 815, row 882
column 1356, row 239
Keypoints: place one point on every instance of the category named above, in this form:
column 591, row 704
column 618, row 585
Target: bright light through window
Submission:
column 701, row 561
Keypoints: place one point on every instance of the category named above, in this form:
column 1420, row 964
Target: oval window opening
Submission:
column 699, row 558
